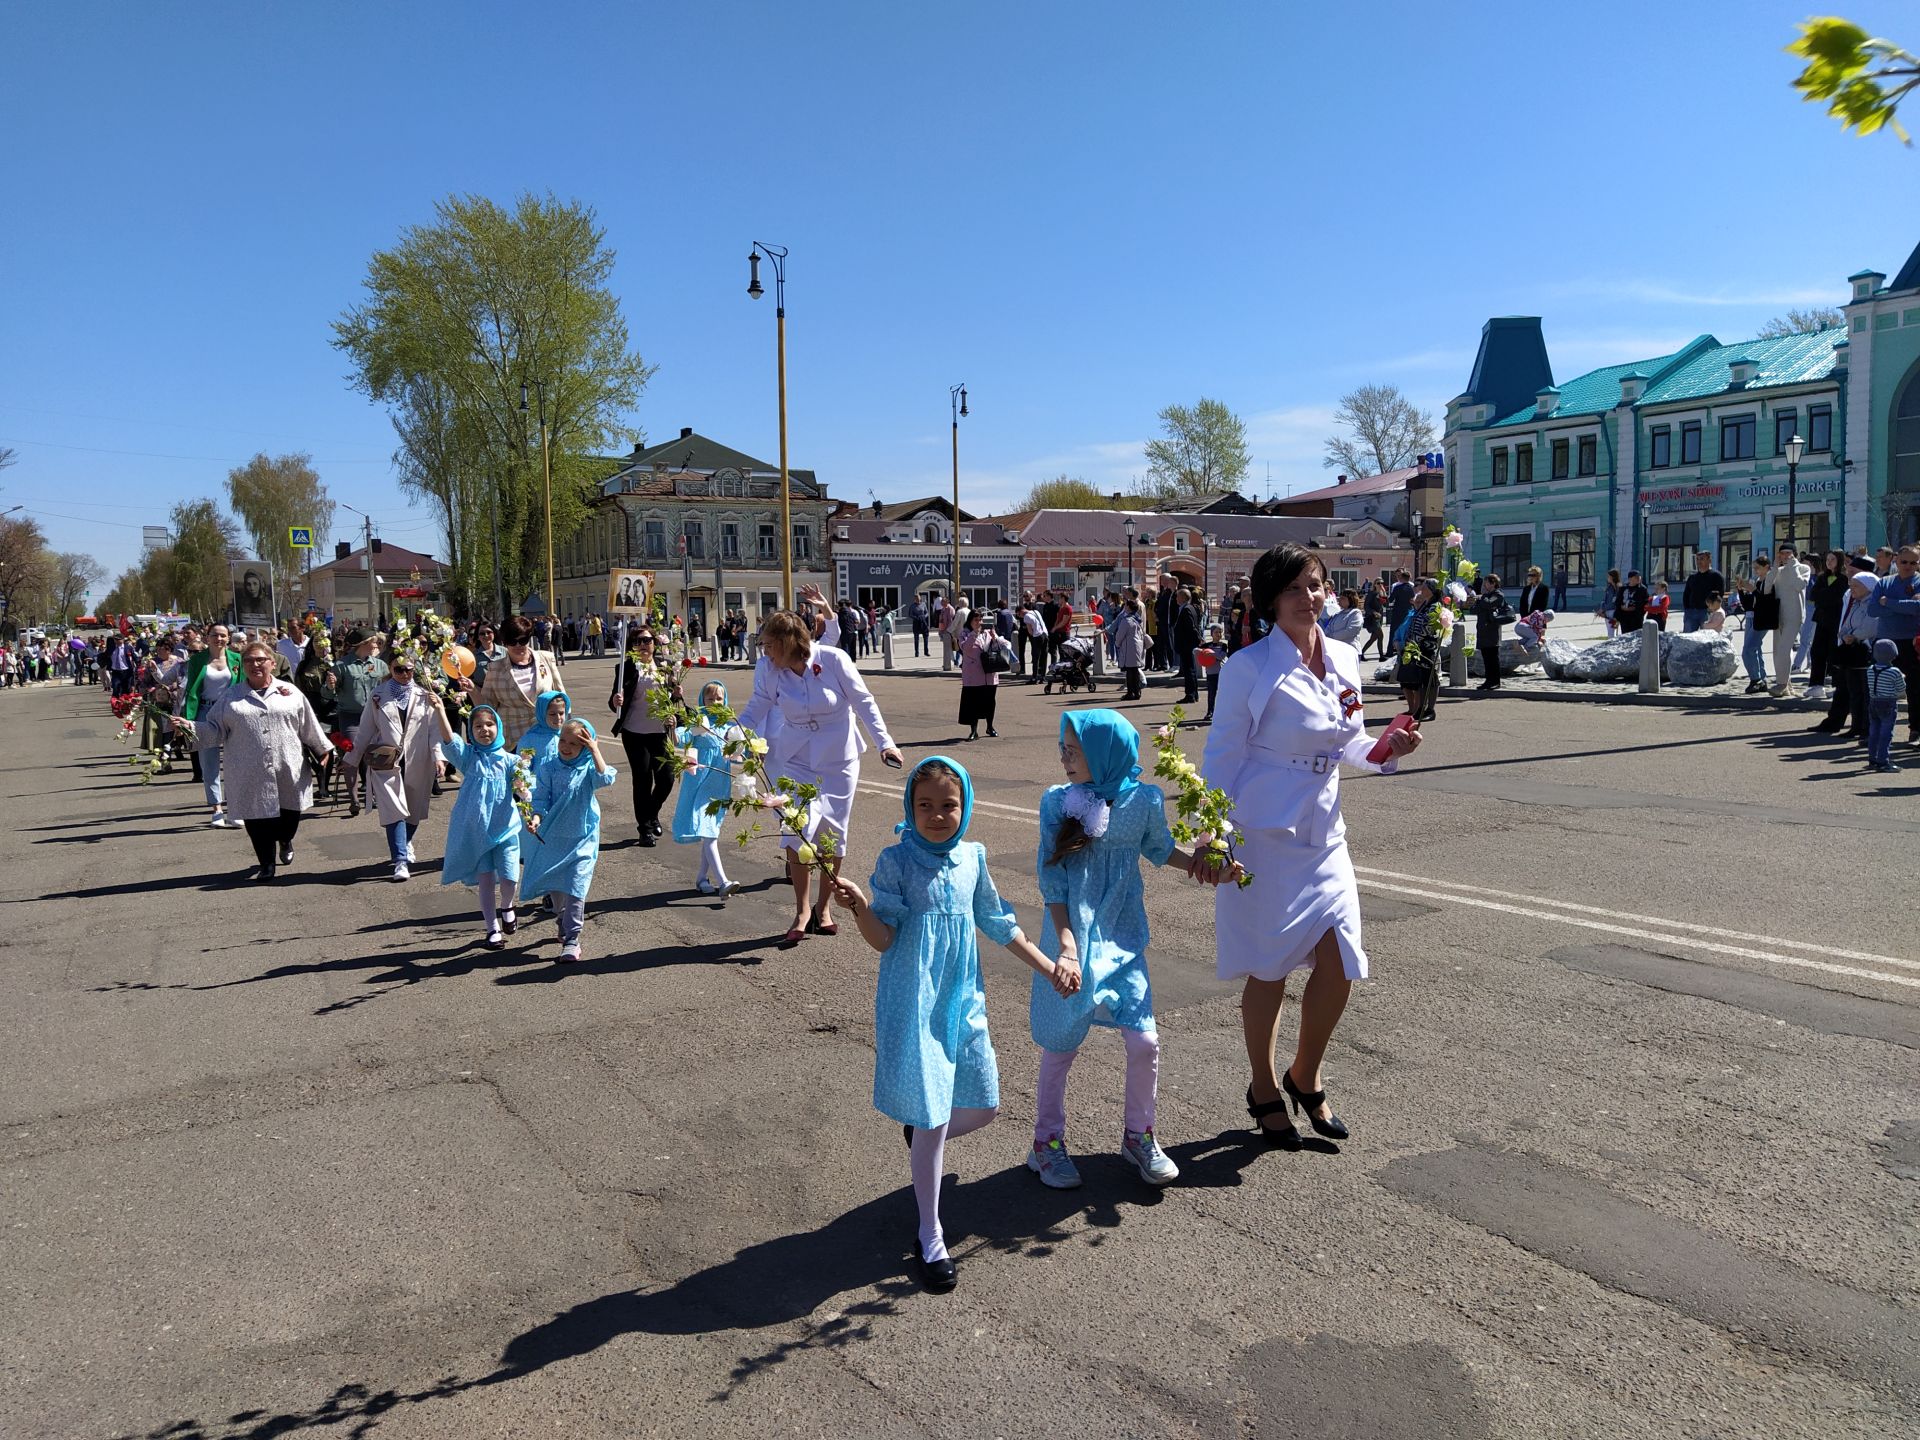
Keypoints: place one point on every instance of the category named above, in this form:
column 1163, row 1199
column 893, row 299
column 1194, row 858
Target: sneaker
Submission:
column 570, row 951
column 1818, row 692
column 703, row 885
column 400, row 871
column 1054, row 1165
column 1148, row 1158
column 218, row 820
column 410, row 854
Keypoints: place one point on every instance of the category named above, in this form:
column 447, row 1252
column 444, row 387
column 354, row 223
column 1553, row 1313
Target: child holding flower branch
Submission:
column 483, row 833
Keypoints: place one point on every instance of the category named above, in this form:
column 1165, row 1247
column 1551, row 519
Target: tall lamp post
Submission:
column 546, row 479
column 957, row 399
column 1646, row 542
column 1795, row 446
column 1128, row 526
column 777, row 257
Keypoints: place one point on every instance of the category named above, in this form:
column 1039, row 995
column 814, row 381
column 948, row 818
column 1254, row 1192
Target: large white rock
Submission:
column 1615, row 659
column 1703, row 658
column 1514, row 657
column 1555, row 656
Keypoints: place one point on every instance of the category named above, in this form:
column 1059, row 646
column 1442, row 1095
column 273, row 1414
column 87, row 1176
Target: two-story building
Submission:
column 890, row 554
column 704, row 519
column 1644, row 464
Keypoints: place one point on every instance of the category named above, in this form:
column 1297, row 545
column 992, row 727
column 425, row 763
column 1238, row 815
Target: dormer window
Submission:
column 966, row 537
column 1180, row 542
column 932, row 535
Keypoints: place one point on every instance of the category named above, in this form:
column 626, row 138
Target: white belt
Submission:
column 1319, row 763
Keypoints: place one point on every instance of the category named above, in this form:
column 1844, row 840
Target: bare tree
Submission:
column 73, row 575
column 1204, row 451
column 1802, row 322
column 1387, row 431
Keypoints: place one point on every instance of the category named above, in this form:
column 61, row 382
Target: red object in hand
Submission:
column 1383, row 748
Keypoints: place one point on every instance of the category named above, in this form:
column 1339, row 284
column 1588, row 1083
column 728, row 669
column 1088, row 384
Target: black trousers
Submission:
column 1134, row 682
column 1489, row 649
column 1847, row 670
column 652, row 776
column 267, row 835
column 1820, row 656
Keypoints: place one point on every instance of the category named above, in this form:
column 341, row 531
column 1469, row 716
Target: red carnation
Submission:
column 816, row 667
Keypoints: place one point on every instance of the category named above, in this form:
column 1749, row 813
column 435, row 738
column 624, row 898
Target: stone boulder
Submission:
column 1703, row 658
column 1615, row 659
column 1514, row 658
column 1555, row 656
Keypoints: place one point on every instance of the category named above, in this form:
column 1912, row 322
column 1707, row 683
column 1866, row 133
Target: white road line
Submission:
column 1719, row 934
column 1664, row 936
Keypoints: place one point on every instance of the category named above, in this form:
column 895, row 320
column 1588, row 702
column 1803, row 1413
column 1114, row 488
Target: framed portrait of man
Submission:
column 629, row 592
column 252, row 593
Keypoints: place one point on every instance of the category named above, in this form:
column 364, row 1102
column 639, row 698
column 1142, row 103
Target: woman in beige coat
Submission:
column 398, row 741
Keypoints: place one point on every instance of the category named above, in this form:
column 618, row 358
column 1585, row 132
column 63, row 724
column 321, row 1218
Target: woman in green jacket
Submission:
column 210, row 673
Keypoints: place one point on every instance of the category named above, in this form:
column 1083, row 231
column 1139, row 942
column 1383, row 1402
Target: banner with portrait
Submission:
column 629, row 592
column 252, row 594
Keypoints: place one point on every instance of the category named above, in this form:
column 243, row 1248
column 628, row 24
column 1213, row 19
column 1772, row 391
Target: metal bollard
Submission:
column 713, row 652
column 1099, row 653
column 946, row 653
column 1457, row 654
column 753, row 648
column 886, row 650
column 1649, row 659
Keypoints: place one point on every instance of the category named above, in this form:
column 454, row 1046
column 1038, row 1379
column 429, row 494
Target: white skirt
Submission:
column 834, row 807
column 1299, row 893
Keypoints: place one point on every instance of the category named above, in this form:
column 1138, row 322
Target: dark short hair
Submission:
column 1278, row 568
column 515, row 630
column 1492, row 579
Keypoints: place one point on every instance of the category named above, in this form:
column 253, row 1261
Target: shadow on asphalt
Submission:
column 780, row 1281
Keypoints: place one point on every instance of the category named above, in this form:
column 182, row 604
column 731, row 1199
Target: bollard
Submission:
column 946, row 652
column 1649, row 659
column 886, row 650
column 753, row 648
column 1457, row 654
column 1099, row 653
column 713, row 652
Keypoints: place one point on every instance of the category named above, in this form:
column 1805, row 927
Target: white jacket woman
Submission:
column 400, row 715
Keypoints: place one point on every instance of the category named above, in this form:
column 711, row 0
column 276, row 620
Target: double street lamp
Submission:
column 777, row 257
column 957, row 399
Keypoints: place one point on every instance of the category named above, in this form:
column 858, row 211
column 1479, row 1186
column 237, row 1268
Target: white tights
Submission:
column 929, row 1161
column 495, row 896
column 710, row 867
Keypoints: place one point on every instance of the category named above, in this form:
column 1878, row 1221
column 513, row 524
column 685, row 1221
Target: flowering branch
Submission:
column 1201, row 810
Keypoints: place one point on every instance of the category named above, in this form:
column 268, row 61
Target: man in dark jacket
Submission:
column 1705, row 581
column 1630, row 610
column 1164, row 604
column 1186, row 639
column 917, row 616
column 1490, row 612
column 1399, row 602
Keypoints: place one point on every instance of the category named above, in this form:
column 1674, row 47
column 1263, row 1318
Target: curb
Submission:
column 1665, row 700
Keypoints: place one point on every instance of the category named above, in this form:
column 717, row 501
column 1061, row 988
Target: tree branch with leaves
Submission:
column 1203, row 451
column 1861, row 78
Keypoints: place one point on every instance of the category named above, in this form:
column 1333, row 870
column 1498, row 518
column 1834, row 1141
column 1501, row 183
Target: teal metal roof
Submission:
column 1788, row 360
column 1593, row 393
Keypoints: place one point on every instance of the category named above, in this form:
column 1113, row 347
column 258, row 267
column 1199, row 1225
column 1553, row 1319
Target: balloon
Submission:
column 1096, row 619
column 457, row 661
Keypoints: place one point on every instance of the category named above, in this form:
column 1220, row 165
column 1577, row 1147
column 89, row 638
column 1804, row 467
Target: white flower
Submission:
column 806, row 854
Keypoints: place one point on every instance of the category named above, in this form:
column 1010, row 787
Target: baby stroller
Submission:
column 1074, row 669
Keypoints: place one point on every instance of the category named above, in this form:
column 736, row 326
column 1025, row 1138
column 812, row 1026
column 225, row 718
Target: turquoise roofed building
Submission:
column 1642, row 465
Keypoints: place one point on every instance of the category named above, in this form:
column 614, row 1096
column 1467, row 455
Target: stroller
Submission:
column 1074, row 669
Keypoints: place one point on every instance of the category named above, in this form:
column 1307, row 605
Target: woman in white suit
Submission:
column 806, row 700
column 1287, row 717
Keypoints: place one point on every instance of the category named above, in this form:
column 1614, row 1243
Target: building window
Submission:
column 1738, row 437
column 1559, row 459
column 1808, row 535
column 1736, row 553
column 769, row 602
column 736, row 601
column 654, row 540
column 1523, row 465
column 1670, row 551
column 1499, row 458
column 1819, row 427
column 886, row 597
column 695, row 534
column 1660, row 443
column 1062, row 580
column 1180, row 543
column 769, row 537
column 1690, row 443
column 1783, row 431
column 729, row 540
column 1512, row 554
column 803, row 542
column 1571, row 551
column 1588, row 460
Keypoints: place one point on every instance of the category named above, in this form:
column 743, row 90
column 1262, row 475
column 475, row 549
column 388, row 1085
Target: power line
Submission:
column 163, row 455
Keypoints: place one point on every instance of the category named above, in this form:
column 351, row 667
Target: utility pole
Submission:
column 373, row 582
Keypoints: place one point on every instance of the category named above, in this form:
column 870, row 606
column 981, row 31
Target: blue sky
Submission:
column 1083, row 212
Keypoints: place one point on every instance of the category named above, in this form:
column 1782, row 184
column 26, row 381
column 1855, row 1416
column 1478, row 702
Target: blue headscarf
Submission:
column 585, row 754
column 540, row 734
column 499, row 729
column 1112, row 747
column 704, row 710
column 939, row 848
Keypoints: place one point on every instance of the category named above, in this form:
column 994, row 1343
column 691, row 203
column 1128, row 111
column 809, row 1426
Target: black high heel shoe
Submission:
column 1287, row 1139
column 1333, row 1127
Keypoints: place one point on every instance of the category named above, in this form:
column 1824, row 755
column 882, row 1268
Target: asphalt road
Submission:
column 1633, row 1093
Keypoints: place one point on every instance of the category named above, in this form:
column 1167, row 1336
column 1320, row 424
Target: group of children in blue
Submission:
column 935, row 1071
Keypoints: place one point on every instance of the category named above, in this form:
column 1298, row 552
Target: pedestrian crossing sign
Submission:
column 300, row 537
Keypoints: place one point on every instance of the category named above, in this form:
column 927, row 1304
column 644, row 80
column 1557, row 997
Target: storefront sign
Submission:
column 1683, row 495
column 1777, row 489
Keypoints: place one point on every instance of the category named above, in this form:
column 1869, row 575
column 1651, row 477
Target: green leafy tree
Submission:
column 475, row 330
column 271, row 496
column 443, row 458
column 1385, row 431
column 26, row 571
column 1802, row 322
column 1203, row 450
column 1861, row 78
column 1066, row 492
column 198, row 577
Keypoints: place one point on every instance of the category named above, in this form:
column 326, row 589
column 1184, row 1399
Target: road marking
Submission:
column 1816, row 948
column 1367, row 877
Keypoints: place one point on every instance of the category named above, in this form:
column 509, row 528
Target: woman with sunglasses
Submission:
column 643, row 734
column 511, row 686
column 398, row 741
column 269, row 734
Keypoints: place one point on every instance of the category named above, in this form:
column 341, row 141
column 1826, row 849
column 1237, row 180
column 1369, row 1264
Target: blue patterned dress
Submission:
column 932, row 1050
column 560, row 859
column 1105, row 896
column 483, row 834
column 713, row 781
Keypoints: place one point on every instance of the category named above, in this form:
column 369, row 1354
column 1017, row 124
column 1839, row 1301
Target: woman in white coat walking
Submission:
column 808, row 702
column 1788, row 580
column 398, row 742
column 269, row 736
column 1288, row 717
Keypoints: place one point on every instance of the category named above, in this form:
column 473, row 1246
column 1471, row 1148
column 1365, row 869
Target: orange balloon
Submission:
column 457, row 661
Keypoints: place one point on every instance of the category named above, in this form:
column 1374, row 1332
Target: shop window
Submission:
column 1808, row 533
column 1670, row 551
column 1571, row 551
column 1511, row 555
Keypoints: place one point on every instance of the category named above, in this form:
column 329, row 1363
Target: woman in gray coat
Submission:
column 398, row 741
column 1129, row 635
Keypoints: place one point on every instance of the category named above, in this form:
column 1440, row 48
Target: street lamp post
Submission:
column 1646, row 542
column 1795, row 446
column 957, row 399
column 777, row 257
column 1128, row 526
column 546, row 480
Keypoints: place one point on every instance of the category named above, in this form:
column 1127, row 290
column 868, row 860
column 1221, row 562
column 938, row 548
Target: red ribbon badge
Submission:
column 1350, row 703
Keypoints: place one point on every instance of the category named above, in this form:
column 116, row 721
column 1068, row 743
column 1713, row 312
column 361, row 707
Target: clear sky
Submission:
column 1085, row 212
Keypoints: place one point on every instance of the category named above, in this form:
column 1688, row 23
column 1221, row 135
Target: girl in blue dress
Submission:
column 483, row 833
column 934, row 1069
column 1094, row 831
column 566, row 824
column 709, row 777
column 550, row 714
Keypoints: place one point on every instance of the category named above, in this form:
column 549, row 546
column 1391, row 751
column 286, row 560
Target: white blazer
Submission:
column 810, row 717
column 1280, row 735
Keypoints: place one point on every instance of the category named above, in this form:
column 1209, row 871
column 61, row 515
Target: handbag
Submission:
column 382, row 757
column 995, row 658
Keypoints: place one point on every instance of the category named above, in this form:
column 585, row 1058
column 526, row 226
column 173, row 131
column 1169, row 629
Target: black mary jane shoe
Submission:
column 509, row 922
column 1309, row 1101
column 907, row 1130
column 938, row 1276
column 1287, row 1139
